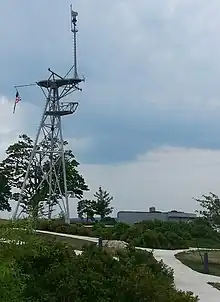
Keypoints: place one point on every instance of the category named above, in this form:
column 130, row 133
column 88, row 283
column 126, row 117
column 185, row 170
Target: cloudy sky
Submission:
column 147, row 128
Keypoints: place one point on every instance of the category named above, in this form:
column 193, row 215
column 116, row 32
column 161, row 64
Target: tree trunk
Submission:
column 50, row 210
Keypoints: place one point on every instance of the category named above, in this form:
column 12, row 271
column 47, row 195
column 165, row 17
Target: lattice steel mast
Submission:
column 48, row 151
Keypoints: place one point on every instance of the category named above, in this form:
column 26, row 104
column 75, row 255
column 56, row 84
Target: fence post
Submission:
column 206, row 263
column 100, row 242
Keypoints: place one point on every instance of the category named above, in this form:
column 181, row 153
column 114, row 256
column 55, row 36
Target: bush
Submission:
column 108, row 221
column 150, row 234
column 50, row 271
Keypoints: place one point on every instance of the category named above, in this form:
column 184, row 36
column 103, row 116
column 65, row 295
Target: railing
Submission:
column 65, row 109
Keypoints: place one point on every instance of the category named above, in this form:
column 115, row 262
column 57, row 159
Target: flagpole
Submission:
column 14, row 107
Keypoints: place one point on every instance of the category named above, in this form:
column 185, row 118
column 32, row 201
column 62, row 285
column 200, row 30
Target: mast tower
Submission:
column 48, row 151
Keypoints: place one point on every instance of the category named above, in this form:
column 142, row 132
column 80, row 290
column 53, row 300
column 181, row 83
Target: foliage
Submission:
column 61, row 215
column 85, row 209
column 47, row 270
column 108, row 220
column 210, row 207
column 102, row 205
column 150, row 234
column 5, row 193
column 15, row 165
column 75, row 181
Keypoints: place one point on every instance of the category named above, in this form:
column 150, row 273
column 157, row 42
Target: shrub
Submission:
column 150, row 234
column 82, row 231
column 50, row 271
column 109, row 220
column 43, row 224
column 65, row 229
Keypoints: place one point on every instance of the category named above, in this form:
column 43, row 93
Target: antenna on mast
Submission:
column 74, row 30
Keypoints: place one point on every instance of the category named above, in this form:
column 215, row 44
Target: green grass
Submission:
column 215, row 285
column 194, row 260
column 77, row 244
column 4, row 221
column 205, row 243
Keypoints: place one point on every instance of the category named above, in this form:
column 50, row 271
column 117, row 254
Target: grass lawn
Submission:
column 194, row 259
column 215, row 285
column 3, row 221
column 77, row 244
column 205, row 243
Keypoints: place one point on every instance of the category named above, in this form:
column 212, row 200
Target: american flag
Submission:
column 17, row 100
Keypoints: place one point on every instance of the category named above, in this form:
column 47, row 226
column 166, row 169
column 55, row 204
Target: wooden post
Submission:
column 100, row 242
column 206, row 263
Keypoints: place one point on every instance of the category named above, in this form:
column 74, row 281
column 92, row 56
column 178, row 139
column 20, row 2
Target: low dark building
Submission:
column 132, row 217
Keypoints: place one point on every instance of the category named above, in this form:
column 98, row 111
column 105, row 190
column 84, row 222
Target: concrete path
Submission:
column 92, row 239
column 185, row 278
column 189, row 280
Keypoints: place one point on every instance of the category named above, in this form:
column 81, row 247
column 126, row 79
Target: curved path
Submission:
column 185, row 278
column 189, row 280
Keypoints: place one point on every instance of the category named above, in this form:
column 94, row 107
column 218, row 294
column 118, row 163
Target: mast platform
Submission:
column 64, row 109
column 59, row 82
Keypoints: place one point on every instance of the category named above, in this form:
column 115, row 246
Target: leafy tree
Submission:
column 85, row 209
column 210, row 207
column 75, row 182
column 61, row 216
column 5, row 193
column 103, row 200
column 14, row 166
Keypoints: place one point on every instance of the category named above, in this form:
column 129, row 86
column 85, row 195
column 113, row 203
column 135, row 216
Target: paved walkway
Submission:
column 92, row 239
column 185, row 278
column 189, row 280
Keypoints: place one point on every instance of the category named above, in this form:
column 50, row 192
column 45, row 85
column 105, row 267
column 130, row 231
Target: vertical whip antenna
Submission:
column 74, row 30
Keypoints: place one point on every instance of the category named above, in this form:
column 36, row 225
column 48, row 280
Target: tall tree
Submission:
column 86, row 209
column 15, row 166
column 103, row 200
column 210, row 205
column 35, row 194
column 5, row 193
column 75, row 182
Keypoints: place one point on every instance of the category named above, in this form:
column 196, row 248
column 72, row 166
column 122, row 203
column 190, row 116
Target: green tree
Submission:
column 102, row 205
column 75, row 182
column 14, row 166
column 210, row 205
column 5, row 193
column 86, row 209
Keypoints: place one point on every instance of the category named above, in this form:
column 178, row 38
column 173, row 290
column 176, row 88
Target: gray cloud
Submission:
column 152, row 70
column 167, row 178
